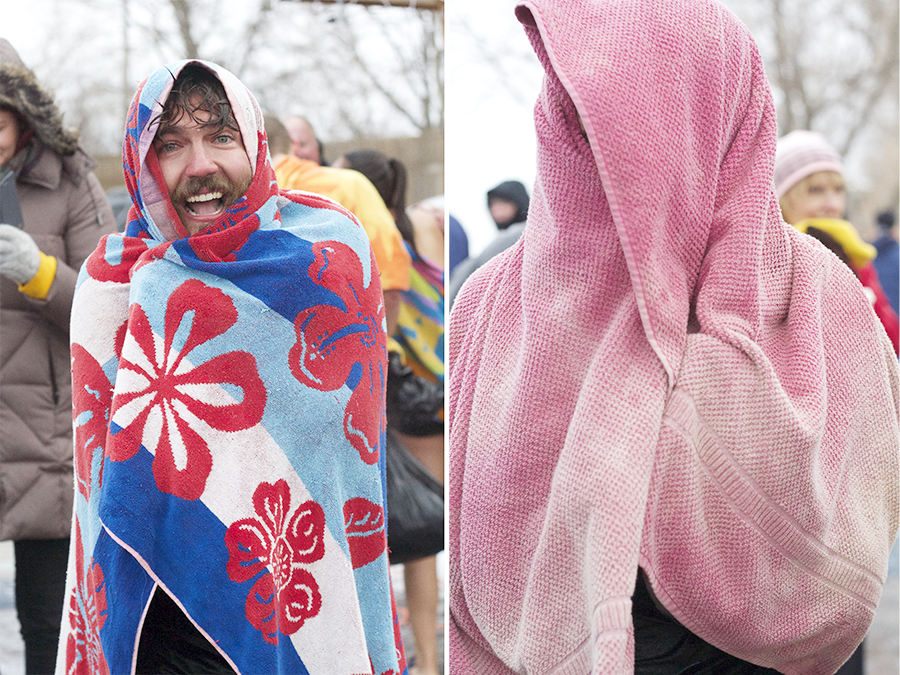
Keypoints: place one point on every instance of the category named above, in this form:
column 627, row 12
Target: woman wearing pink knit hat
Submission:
column 673, row 417
column 809, row 182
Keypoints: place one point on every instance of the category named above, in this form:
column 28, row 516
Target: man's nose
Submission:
column 199, row 162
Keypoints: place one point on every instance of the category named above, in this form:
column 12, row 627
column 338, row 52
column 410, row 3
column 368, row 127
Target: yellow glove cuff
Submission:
column 40, row 284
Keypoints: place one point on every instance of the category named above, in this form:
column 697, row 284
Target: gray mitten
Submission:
column 20, row 258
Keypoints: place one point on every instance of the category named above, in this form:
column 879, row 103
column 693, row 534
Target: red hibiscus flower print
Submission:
column 337, row 346
column 87, row 614
column 278, row 542
column 91, row 398
column 364, row 526
column 162, row 399
column 123, row 251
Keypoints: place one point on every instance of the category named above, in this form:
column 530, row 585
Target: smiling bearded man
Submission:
column 200, row 150
column 228, row 355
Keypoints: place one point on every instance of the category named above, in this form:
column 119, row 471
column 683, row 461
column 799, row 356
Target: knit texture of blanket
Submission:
column 661, row 373
column 229, row 426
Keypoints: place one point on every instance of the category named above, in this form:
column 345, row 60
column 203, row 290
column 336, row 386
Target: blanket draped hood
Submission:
column 662, row 373
column 229, row 425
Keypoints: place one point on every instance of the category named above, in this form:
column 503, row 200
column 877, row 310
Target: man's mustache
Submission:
column 196, row 184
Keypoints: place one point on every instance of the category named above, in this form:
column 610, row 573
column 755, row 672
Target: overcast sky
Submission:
column 492, row 81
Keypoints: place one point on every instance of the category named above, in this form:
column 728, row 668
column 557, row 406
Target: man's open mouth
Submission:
column 208, row 204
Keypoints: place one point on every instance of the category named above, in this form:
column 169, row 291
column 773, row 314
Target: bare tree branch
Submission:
column 833, row 62
column 380, row 83
column 254, row 33
column 183, row 17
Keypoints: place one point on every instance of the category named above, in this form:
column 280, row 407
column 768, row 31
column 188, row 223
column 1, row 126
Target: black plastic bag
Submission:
column 413, row 402
column 415, row 506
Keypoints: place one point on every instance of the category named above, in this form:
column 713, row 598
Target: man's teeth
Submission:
column 201, row 204
column 205, row 197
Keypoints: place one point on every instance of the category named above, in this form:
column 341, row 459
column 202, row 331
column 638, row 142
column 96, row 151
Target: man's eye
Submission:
column 224, row 138
column 169, row 147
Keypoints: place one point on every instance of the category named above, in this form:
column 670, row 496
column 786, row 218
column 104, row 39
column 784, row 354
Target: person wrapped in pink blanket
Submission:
column 664, row 376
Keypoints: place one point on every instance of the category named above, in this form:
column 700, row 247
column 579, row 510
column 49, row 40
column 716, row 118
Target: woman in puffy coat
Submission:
column 64, row 213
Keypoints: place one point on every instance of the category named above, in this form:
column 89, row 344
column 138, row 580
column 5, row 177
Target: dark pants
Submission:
column 662, row 646
column 854, row 665
column 171, row 645
column 40, row 590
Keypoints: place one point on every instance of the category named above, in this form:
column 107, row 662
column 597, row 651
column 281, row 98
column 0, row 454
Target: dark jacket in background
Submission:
column 512, row 191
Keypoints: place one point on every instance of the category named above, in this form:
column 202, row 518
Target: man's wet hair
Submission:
column 197, row 89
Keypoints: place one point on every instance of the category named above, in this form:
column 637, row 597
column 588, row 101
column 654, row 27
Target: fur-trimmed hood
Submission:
column 20, row 90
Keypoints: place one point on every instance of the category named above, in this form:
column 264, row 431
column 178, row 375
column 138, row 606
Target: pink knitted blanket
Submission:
column 662, row 373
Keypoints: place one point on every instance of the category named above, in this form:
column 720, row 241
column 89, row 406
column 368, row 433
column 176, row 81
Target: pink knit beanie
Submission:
column 800, row 154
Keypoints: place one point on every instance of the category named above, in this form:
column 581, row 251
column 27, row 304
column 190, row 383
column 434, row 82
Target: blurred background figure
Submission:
column 65, row 212
column 120, row 201
column 508, row 203
column 419, row 341
column 809, row 182
column 887, row 261
column 458, row 243
column 304, row 143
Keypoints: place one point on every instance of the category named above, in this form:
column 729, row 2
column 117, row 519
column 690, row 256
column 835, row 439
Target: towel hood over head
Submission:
column 152, row 213
column 663, row 373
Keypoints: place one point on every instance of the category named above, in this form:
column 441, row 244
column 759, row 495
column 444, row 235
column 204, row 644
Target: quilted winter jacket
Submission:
column 66, row 212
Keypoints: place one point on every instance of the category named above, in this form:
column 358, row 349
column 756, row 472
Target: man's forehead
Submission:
column 195, row 115
column 298, row 125
column 185, row 119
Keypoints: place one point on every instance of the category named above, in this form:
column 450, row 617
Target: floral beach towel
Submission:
column 229, row 426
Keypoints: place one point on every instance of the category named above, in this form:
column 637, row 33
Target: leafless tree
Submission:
column 413, row 56
column 499, row 49
column 353, row 70
column 832, row 63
